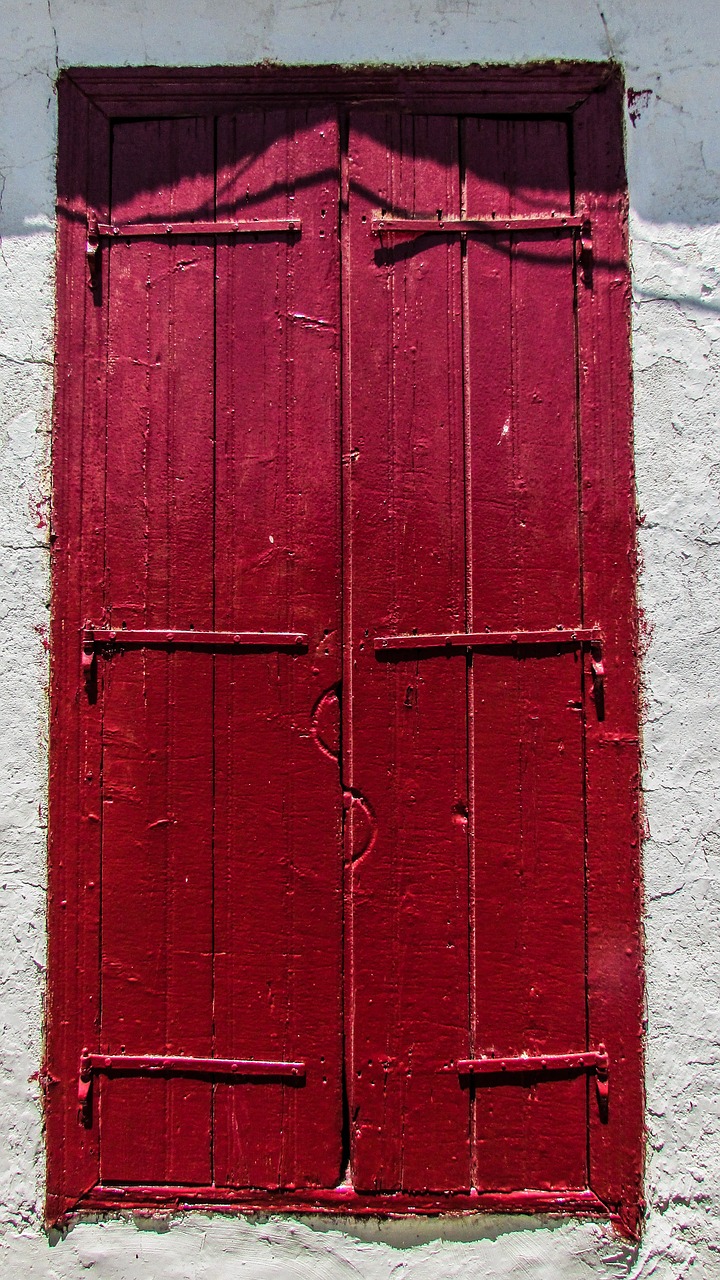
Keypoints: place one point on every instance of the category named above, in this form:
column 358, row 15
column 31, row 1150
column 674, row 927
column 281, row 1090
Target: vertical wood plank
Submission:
column 528, row 816
column 407, row 768
column 278, row 921
column 613, row 798
column 158, row 750
column 75, row 723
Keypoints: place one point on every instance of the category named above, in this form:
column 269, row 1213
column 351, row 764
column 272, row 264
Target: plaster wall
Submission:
column 670, row 50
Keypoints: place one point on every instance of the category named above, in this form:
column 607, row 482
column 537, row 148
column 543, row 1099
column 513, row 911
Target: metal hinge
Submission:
column 597, row 674
column 589, row 639
column 466, row 640
column 584, row 248
column 168, row 230
column 578, row 225
column 164, row 1065
column 382, row 225
column 595, row 1060
column 106, row 639
column 92, row 246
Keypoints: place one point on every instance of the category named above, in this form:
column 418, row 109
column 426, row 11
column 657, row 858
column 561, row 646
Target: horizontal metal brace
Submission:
column 105, row 638
column 491, row 639
column 461, row 226
column 97, row 231
column 157, row 1065
column 593, row 1060
column 141, row 230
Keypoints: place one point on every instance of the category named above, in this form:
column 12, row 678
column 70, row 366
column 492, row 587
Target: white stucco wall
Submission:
column 672, row 49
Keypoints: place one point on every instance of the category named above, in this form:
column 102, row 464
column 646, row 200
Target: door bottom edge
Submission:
column 345, row 1201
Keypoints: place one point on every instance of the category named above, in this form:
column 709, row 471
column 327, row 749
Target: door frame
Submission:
column 593, row 94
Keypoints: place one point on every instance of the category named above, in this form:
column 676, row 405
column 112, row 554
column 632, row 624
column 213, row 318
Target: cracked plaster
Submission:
column 670, row 48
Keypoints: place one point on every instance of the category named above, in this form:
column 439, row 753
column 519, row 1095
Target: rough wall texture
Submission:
column 670, row 52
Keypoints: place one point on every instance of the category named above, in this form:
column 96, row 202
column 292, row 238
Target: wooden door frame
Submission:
column 592, row 94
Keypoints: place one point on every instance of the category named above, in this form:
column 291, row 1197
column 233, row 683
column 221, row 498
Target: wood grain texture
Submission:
column 167, row 91
column 157, row 870
column 278, row 890
column 492, row 891
column 615, row 958
column 528, row 807
column 75, row 724
column 409, row 889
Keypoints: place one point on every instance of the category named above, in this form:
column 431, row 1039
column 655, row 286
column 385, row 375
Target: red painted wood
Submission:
column 421, row 555
column 344, row 1200
column 528, row 814
column 156, row 938
column 405, row 545
column 111, row 640
column 613, row 760
column 278, row 887
column 119, row 1062
column 559, row 636
column 75, row 746
column 595, row 1059
column 385, row 226
column 251, row 226
column 167, row 91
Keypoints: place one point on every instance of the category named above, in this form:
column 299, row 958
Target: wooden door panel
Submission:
column 521, row 401
column 528, row 927
column 278, row 871
column 526, row 731
column 221, row 817
column 201, row 492
column 407, row 733
column 157, row 929
column 464, row 510
column 157, row 773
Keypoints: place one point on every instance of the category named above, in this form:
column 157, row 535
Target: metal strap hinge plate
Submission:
column 163, row 638
column 578, row 225
column 161, row 1065
column 383, row 225
column 97, row 231
column 571, row 636
column 106, row 639
column 593, row 1060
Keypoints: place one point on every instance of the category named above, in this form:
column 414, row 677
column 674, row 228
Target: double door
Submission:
column 341, row 666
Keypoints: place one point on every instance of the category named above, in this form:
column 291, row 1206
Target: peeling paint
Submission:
column 638, row 100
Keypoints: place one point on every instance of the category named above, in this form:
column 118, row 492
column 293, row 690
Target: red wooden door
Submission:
column 221, row 876
column 407, row 743
column 468, row 906
column 347, row 817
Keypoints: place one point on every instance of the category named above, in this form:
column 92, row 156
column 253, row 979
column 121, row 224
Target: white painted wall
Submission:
column 672, row 48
